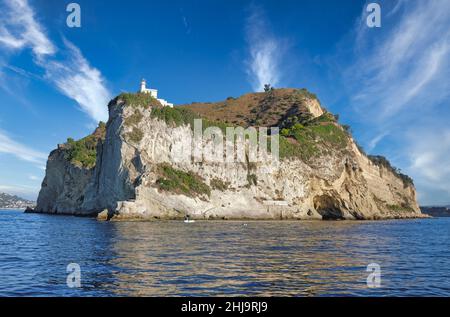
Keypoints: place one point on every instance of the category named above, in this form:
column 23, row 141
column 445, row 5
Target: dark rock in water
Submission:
column 29, row 210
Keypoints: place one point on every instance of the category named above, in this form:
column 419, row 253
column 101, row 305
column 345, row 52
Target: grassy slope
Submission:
column 255, row 109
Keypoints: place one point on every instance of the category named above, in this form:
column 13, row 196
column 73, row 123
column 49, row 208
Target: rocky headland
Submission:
column 129, row 167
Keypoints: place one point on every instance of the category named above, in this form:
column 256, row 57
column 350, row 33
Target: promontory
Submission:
column 130, row 167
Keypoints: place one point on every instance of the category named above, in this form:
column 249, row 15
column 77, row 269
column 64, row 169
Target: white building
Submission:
column 153, row 93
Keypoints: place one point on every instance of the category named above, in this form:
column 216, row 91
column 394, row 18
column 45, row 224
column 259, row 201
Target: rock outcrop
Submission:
column 321, row 173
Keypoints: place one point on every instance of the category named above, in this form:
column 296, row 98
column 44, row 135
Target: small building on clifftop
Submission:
column 154, row 93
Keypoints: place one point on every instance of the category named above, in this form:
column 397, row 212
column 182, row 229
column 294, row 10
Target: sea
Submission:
column 48, row 255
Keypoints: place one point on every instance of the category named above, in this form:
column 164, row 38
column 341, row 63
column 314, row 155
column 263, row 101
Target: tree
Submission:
column 268, row 88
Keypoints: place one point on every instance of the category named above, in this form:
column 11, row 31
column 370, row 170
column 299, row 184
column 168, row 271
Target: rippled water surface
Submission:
column 222, row 258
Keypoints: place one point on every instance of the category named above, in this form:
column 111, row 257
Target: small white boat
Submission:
column 188, row 221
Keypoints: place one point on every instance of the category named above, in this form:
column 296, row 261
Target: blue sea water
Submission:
column 254, row 258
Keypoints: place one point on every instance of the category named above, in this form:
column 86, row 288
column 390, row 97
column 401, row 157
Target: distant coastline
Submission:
column 12, row 209
column 436, row 211
column 9, row 202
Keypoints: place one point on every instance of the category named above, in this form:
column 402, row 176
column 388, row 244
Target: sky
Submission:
column 390, row 83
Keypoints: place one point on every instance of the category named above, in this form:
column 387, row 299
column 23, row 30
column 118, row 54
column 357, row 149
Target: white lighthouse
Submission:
column 153, row 93
column 143, row 84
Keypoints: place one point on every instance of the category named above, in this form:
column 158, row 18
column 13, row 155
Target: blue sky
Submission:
column 391, row 84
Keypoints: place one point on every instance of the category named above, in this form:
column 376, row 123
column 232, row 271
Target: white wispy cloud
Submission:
column 20, row 29
column 396, row 64
column 73, row 75
column 375, row 140
column 75, row 78
column 266, row 51
column 400, row 83
column 430, row 160
column 21, row 151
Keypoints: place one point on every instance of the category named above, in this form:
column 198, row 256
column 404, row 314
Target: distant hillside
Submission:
column 443, row 211
column 14, row 202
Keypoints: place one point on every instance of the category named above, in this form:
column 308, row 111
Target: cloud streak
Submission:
column 430, row 162
column 399, row 62
column 400, row 86
column 76, row 79
column 20, row 29
column 73, row 76
column 23, row 152
column 265, row 50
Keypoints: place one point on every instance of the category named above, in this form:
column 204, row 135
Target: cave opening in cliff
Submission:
column 328, row 207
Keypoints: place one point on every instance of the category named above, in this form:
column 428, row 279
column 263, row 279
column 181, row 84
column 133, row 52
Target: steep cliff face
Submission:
column 62, row 190
column 138, row 172
column 69, row 171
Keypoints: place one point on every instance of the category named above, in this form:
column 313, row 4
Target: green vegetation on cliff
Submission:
column 304, row 137
column 304, row 140
column 135, row 135
column 382, row 161
column 139, row 99
column 303, row 92
column 218, row 184
column 174, row 116
column 301, row 135
column 134, row 119
column 83, row 152
column 180, row 182
column 179, row 116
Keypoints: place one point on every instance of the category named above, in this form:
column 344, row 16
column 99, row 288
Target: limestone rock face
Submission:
column 64, row 185
column 127, row 181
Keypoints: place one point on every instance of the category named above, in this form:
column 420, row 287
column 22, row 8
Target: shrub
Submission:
column 134, row 119
column 331, row 134
column 178, row 116
column 135, row 135
column 252, row 179
column 327, row 117
column 174, row 116
column 382, row 161
column 218, row 184
column 303, row 92
column 285, row 132
column 311, row 140
column 83, row 153
column 181, row 182
column 347, row 128
column 293, row 148
column 139, row 99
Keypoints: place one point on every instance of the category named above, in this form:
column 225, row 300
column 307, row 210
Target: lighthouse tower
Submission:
column 143, row 86
column 153, row 92
column 145, row 90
